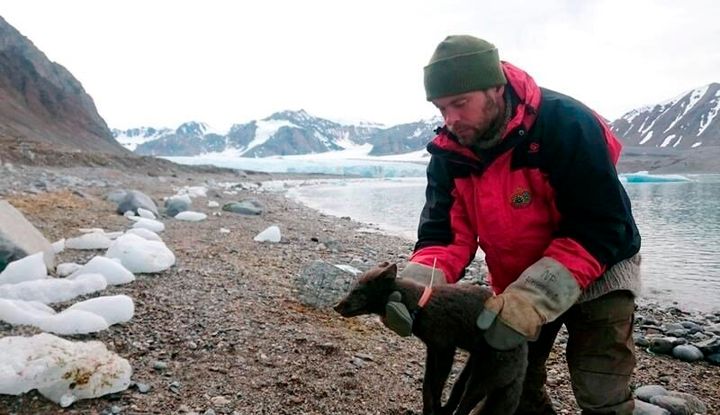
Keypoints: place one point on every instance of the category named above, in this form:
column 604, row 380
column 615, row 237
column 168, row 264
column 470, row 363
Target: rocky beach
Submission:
column 229, row 329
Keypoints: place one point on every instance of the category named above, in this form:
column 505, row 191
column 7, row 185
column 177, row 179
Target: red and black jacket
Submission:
column 549, row 188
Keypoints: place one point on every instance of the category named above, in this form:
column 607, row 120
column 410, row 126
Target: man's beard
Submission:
column 484, row 138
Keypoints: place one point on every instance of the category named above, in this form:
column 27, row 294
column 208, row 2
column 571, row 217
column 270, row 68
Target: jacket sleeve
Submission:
column 444, row 232
column 596, row 228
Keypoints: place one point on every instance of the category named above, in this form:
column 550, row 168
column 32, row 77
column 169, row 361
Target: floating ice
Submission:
column 271, row 234
column 149, row 224
column 61, row 370
column 645, row 177
column 111, row 269
column 93, row 240
column 144, row 213
column 141, row 255
column 53, row 290
column 88, row 316
column 66, row 268
column 29, row 268
column 191, row 216
column 145, row 234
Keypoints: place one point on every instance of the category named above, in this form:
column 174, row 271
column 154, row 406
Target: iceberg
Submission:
column 645, row 177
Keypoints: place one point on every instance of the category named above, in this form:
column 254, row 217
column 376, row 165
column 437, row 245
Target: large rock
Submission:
column 19, row 238
column 321, row 284
column 644, row 408
column 246, row 207
column 177, row 204
column 135, row 199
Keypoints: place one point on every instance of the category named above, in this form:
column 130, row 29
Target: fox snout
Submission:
column 345, row 308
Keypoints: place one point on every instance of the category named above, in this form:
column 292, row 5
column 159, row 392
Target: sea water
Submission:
column 679, row 223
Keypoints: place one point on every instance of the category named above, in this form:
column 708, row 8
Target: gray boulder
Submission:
column 644, row 408
column 709, row 346
column 647, row 392
column 19, row 238
column 692, row 402
column 687, row 353
column 321, row 284
column 177, row 204
column 135, row 199
column 676, row 405
column 116, row 196
column 246, row 207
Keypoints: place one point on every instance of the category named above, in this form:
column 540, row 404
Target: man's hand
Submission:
column 541, row 294
column 422, row 274
column 397, row 317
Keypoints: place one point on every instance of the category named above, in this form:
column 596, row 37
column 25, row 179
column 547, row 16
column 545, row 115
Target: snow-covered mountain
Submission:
column 133, row 137
column 688, row 121
column 281, row 134
column 677, row 127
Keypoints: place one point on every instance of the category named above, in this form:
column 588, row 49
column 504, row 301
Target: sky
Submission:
column 160, row 63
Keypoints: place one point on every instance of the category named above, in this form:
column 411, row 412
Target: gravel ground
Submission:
column 222, row 331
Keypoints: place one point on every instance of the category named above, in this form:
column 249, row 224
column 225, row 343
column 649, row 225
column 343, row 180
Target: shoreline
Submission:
column 226, row 320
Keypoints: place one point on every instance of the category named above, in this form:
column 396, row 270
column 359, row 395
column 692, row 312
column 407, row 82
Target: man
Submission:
column 528, row 175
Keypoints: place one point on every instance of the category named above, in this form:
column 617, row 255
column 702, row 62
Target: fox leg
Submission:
column 437, row 368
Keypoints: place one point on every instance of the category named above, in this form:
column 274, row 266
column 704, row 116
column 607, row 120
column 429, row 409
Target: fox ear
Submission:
column 389, row 270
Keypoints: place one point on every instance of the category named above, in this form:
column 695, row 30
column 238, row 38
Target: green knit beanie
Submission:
column 462, row 64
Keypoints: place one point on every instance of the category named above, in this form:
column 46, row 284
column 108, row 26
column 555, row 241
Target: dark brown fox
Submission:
column 445, row 323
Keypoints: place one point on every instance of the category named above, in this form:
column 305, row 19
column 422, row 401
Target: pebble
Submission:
column 219, row 400
column 142, row 387
column 160, row 365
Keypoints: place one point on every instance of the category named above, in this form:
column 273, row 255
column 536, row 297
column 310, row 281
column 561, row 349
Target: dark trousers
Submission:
column 600, row 354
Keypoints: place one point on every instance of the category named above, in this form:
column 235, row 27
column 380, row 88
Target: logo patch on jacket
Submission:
column 520, row 198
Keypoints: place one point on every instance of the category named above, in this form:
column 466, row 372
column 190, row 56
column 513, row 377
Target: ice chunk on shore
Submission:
column 29, row 268
column 110, row 235
column 144, row 213
column 193, row 191
column 53, row 290
column 213, row 204
column 114, row 309
column 88, row 316
column 61, row 370
column 141, row 255
column 149, row 224
column 92, row 240
column 33, row 313
column 145, row 234
column 66, row 268
column 58, row 246
column 111, row 269
column 271, row 234
column 191, row 216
